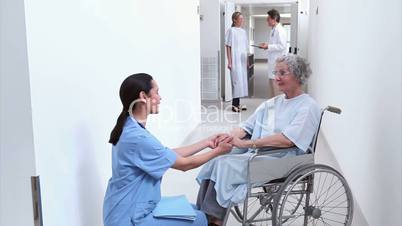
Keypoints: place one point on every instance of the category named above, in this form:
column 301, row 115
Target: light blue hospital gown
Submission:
column 296, row 118
column 139, row 161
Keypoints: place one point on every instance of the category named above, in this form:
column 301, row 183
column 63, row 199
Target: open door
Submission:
column 17, row 153
column 294, row 20
column 226, row 21
column 302, row 28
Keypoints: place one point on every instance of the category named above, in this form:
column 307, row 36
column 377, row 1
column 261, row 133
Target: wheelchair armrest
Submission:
column 273, row 150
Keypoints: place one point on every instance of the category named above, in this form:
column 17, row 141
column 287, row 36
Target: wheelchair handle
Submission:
column 333, row 109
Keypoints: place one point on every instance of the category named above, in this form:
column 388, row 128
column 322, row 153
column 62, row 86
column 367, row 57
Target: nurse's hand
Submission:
column 225, row 146
column 230, row 66
column 213, row 141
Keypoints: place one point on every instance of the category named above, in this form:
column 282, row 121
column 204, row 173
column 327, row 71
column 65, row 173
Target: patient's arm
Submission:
column 238, row 132
column 276, row 140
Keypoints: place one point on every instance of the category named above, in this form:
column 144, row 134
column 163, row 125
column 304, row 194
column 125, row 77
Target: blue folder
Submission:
column 176, row 207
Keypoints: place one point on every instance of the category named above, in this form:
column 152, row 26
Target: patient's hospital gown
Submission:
column 296, row 118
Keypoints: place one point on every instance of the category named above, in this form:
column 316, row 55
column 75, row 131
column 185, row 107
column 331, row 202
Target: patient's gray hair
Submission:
column 298, row 66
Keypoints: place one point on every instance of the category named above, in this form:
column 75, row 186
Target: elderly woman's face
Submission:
column 285, row 80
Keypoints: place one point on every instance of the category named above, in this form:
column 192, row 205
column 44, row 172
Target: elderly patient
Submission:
column 287, row 120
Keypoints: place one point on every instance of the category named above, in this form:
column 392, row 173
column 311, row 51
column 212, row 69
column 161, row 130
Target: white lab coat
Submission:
column 237, row 39
column 277, row 43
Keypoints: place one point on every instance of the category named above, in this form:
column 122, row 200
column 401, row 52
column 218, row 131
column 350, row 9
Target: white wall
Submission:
column 79, row 52
column 17, row 161
column 355, row 53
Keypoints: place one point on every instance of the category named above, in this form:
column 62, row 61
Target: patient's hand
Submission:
column 239, row 143
column 213, row 141
column 225, row 145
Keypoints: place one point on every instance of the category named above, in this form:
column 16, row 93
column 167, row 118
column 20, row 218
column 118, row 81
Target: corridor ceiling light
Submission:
column 283, row 15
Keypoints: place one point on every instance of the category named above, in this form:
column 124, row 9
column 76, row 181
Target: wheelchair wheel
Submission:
column 327, row 198
column 294, row 200
column 259, row 208
column 260, row 205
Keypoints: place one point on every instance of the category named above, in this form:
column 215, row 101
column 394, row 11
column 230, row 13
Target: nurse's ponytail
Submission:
column 235, row 15
column 129, row 91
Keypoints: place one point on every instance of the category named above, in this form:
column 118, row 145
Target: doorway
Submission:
column 215, row 20
column 258, row 32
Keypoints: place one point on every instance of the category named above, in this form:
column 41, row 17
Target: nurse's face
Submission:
column 153, row 98
column 285, row 80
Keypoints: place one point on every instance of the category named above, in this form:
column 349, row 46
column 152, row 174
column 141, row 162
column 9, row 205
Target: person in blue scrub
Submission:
column 139, row 160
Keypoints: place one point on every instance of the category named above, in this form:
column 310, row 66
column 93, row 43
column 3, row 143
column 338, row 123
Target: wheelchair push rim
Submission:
column 259, row 208
column 327, row 200
column 260, row 205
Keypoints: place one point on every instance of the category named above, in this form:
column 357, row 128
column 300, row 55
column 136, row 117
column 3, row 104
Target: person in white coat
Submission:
column 236, row 42
column 276, row 47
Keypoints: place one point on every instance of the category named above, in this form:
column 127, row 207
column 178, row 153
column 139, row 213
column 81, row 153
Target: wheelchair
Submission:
column 302, row 193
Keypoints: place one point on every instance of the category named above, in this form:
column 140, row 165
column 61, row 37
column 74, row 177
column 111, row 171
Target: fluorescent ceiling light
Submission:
column 283, row 15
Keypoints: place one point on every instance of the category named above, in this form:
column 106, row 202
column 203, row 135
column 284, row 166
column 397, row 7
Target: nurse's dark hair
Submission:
column 235, row 15
column 129, row 91
column 274, row 14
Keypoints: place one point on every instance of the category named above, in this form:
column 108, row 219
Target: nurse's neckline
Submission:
column 136, row 121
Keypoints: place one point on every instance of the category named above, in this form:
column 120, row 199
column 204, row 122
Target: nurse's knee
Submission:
column 201, row 219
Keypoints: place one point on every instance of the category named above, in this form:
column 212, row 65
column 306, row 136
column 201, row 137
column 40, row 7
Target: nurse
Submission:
column 139, row 160
column 236, row 42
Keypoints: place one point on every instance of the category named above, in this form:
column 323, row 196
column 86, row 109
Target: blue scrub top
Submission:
column 139, row 161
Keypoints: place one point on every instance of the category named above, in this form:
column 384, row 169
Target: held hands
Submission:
column 225, row 146
column 213, row 141
column 216, row 140
column 221, row 142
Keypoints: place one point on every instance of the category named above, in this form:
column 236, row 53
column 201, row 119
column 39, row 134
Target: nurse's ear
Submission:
column 143, row 97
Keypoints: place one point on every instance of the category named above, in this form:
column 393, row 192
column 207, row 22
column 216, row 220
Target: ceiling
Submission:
column 262, row 2
column 262, row 9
